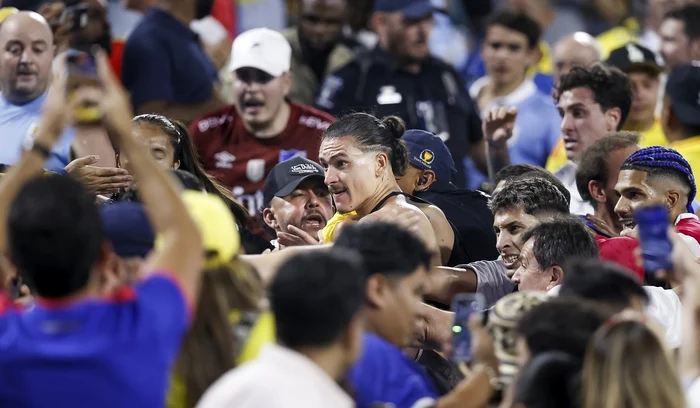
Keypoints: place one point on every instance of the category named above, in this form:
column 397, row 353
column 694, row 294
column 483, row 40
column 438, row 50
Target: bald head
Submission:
column 27, row 20
column 576, row 49
column 27, row 50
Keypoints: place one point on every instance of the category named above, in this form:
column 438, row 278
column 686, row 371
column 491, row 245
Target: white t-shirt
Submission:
column 664, row 306
column 278, row 378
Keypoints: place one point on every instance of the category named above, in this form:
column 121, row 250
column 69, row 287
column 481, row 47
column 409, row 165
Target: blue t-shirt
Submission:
column 93, row 352
column 20, row 123
column 384, row 375
column 164, row 61
column 537, row 127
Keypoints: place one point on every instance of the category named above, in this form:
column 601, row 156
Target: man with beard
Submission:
column 657, row 174
column 317, row 49
column 165, row 67
column 241, row 143
column 399, row 77
column 296, row 199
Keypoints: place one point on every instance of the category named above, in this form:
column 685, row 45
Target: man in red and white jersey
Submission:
column 240, row 144
column 659, row 175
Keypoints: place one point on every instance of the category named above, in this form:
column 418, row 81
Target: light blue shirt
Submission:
column 537, row 126
column 19, row 124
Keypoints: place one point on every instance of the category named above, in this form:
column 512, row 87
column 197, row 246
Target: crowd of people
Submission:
column 197, row 217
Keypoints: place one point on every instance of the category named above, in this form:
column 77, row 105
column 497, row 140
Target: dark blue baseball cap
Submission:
column 409, row 8
column 426, row 151
column 128, row 229
column 683, row 88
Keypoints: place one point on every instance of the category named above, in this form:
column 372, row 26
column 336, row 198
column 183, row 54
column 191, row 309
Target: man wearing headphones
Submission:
column 429, row 177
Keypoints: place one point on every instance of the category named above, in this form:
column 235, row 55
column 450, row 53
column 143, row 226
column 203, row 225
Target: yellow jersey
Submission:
column 654, row 136
column 328, row 231
column 619, row 36
column 262, row 332
column 690, row 149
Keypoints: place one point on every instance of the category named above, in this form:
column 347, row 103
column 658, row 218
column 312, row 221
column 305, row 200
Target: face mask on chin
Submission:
column 202, row 8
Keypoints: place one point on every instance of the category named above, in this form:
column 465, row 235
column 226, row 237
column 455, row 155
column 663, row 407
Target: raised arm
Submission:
column 181, row 252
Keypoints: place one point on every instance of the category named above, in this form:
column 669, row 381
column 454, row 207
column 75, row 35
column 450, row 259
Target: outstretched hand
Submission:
column 98, row 180
column 296, row 236
column 498, row 125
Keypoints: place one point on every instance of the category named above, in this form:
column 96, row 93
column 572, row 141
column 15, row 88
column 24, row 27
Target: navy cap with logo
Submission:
column 409, row 8
column 683, row 90
column 286, row 176
column 427, row 151
column 128, row 229
column 632, row 57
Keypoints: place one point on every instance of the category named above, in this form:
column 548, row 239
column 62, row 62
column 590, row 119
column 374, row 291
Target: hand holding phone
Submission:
column 463, row 306
column 652, row 225
column 81, row 70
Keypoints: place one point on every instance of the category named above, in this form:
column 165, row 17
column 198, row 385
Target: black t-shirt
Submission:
column 435, row 99
column 459, row 254
column 468, row 211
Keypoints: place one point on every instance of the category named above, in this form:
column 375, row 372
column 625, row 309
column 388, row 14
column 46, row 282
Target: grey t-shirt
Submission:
column 492, row 280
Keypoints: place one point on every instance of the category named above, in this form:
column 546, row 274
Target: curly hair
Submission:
column 594, row 160
column 610, row 87
column 534, row 195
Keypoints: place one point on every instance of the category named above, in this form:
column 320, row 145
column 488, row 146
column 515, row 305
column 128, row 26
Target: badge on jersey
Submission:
column 29, row 138
column 330, row 87
column 388, row 96
column 290, row 154
column 255, row 170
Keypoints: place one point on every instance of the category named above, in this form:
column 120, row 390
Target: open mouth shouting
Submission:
column 313, row 221
column 627, row 223
column 511, row 260
column 252, row 106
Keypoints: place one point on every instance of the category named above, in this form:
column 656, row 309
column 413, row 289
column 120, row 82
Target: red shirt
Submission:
column 620, row 250
column 241, row 161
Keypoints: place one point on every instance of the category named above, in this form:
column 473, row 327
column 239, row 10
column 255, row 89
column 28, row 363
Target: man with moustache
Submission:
column 296, row 201
column 25, row 76
column 165, row 67
column 317, row 49
column 400, row 77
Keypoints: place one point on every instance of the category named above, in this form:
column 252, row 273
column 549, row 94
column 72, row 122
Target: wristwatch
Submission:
column 40, row 148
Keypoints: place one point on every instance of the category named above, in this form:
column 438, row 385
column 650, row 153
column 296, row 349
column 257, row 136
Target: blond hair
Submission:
column 627, row 366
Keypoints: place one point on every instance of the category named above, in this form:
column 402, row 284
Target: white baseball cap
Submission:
column 261, row 48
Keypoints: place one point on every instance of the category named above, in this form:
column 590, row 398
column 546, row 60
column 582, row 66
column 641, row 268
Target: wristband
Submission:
column 41, row 149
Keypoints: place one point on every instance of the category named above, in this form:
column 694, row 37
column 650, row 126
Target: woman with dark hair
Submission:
column 362, row 157
column 550, row 380
column 171, row 145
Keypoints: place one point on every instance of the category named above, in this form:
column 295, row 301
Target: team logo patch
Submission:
column 427, row 156
column 255, row 170
column 224, row 160
column 303, row 168
column 29, row 138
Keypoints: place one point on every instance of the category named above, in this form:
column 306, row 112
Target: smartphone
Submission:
column 463, row 306
column 652, row 225
column 81, row 70
column 77, row 11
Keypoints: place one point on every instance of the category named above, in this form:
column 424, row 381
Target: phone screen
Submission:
column 652, row 224
column 463, row 306
column 82, row 71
